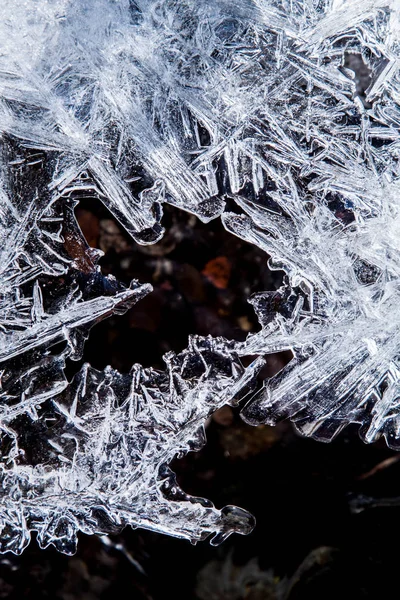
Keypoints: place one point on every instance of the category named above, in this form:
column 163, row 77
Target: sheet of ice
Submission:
column 141, row 102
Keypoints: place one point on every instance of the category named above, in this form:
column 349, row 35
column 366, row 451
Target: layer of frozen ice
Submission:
column 142, row 102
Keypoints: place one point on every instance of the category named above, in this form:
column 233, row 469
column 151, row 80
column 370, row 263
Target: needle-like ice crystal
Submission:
column 192, row 103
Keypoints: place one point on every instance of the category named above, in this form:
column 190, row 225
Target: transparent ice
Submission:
column 199, row 104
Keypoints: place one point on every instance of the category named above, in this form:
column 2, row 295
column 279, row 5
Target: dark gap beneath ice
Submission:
column 232, row 441
column 202, row 277
column 355, row 62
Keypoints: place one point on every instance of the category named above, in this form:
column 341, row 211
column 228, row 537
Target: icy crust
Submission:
column 95, row 457
column 184, row 101
column 195, row 104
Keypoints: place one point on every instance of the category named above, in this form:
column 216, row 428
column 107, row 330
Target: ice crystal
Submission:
column 195, row 104
column 95, row 457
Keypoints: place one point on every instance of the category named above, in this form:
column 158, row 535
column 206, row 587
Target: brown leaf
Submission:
column 218, row 272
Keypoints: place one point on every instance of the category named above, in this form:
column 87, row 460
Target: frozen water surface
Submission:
column 140, row 103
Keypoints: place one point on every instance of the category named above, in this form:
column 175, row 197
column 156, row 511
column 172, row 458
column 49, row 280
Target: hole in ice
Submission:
column 355, row 62
column 201, row 275
column 219, row 470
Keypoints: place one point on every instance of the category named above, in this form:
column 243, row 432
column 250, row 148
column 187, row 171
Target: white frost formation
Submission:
column 193, row 103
